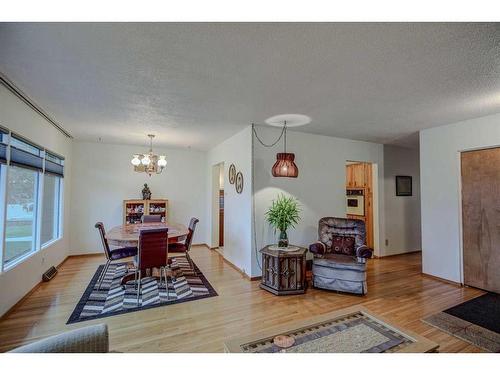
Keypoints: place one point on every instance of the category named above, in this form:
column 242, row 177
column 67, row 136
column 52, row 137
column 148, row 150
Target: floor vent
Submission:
column 49, row 274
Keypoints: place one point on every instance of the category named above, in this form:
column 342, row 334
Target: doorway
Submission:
column 480, row 172
column 218, row 207
column 362, row 198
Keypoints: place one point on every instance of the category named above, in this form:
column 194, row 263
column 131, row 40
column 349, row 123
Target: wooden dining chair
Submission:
column 151, row 218
column 184, row 247
column 152, row 253
column 112, row 254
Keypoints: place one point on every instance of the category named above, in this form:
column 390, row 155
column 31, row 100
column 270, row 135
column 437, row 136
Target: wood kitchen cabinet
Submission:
column 359, row 175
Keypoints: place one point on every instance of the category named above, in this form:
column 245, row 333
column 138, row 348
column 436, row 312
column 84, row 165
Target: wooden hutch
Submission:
column 133, row 209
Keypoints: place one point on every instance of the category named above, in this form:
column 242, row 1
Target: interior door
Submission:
column 481, row 218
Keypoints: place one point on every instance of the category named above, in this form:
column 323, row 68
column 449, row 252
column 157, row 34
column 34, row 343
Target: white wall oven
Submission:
column 355, row 202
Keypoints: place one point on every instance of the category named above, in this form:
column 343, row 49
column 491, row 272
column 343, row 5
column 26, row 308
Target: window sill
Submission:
column 26, row 256
column 18, row 261
column 50, row 243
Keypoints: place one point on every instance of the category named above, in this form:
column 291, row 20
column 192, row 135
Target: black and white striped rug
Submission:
column 113, row 298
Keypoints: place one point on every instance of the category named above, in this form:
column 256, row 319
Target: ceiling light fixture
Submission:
column 285, row 165
column 150, row 162
column 285, row 161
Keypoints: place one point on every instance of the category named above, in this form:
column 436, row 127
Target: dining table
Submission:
column 128, row 235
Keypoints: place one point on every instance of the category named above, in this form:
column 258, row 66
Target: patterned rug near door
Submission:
column 113, row 299
column 476, row 321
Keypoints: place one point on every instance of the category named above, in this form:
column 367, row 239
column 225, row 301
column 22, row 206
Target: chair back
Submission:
column 100, row 226
column 341, row 235
column 192, row 227
column 151, row 218
column 153, row 248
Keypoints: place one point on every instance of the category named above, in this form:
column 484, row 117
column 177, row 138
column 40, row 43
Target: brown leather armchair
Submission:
column 340, row 255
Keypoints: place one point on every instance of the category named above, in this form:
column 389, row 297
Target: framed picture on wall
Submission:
column 403, row 186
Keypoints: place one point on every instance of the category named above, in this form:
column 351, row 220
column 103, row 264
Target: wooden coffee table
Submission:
column 351, row 330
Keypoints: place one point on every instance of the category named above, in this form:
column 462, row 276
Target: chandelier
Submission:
column 149, row 163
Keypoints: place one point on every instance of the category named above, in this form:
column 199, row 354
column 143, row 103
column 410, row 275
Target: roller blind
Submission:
column 3, row 146
column 54, row 164
column 25, row 154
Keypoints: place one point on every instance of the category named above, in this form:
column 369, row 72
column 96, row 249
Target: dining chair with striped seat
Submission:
column 185, row 247
column 112, row 254
column 152, row 253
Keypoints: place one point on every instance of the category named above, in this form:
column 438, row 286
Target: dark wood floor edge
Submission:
column 443, row 280
column 30, row 292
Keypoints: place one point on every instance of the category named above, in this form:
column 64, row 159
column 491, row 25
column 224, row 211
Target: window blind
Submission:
column 24, row 154
column 3, row 146
column 54, row 164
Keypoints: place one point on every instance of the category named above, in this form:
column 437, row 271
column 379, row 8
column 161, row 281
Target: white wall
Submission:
column 402, row 214
column 236, row 150
column 103, row 177
column 216, row 184
column 440, row 190
column 320, row 186
column 18, row 117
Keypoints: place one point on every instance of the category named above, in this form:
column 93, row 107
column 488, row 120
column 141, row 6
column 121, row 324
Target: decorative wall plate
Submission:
column 232, row 174
column 239, row 182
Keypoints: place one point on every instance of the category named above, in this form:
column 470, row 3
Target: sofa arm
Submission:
column 317, row 248
column 92, row 339
column 364, row 252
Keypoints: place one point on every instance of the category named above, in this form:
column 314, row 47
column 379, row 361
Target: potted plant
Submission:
column 282, row 215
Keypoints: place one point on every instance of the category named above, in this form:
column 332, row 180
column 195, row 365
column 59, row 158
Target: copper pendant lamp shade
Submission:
column 285, row 161
column 285, row 165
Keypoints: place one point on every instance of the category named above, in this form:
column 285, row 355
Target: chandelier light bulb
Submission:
column 162, row 162
column 135, row 161
column 145, row 160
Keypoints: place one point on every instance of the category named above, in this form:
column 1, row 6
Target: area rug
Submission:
column 352, row 331
column 113, row 298
column 476, row 321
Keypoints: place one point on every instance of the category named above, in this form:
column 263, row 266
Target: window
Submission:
column 31, row 184
column 51, row 208
column 20, row 221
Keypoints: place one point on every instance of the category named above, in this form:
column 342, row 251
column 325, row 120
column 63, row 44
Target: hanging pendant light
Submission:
column 285, row 165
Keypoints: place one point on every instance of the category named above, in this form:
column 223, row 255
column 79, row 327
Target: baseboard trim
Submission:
column 395, row 255
column 232, row 265
column 30, row 292
column 201, row 244
column 442, row 280
column 86, row 255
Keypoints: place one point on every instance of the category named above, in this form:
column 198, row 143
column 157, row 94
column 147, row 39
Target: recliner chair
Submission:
column 340, row 255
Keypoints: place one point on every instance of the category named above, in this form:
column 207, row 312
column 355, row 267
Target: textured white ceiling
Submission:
column 196, row 84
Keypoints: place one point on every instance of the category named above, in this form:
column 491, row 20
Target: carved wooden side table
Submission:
column 283, row 272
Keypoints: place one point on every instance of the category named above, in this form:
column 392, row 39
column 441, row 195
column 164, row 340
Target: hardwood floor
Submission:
column 396, row 290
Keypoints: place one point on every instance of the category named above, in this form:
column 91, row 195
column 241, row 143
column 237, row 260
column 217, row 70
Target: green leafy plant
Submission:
column 283, row 213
